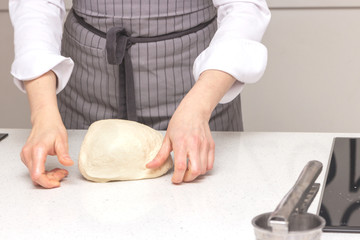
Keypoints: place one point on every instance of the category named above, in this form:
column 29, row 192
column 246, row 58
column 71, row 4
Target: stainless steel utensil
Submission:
column 290, row 220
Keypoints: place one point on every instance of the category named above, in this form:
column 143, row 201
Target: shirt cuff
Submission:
column 30, row 67
column 244, row 59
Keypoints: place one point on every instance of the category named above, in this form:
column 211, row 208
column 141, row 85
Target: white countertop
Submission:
column 252, row 172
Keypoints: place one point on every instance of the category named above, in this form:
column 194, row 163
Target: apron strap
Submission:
column 118, row 42
column 117, row 45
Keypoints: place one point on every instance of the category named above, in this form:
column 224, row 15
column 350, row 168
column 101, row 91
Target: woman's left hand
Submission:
column 188, row 133
column 189, row 136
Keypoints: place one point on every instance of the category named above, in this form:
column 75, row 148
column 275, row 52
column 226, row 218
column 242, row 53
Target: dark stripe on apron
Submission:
column 118, row 42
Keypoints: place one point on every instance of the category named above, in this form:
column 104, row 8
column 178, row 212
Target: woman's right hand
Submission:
column 48, row 135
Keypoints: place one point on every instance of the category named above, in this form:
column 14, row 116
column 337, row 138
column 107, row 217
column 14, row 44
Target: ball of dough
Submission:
column 119, row 150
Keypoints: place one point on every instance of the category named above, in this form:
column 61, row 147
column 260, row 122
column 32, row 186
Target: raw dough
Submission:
column 119, row 150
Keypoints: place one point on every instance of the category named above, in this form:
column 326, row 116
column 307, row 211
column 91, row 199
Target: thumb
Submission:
column 62, row 152
column 162, row 155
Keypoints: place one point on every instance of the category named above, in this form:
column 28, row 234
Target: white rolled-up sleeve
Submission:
column 38, row 27
column 236, row 48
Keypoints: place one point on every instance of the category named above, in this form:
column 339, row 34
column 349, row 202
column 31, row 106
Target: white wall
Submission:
column 312, row 82
column 14, row 110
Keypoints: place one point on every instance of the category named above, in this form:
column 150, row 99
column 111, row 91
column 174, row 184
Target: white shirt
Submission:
column 234, row 49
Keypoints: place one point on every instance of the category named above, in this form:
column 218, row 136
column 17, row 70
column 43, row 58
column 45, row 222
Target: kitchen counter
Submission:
column 252, row 172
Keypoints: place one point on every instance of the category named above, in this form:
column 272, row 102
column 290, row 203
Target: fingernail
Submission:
column 68, row 160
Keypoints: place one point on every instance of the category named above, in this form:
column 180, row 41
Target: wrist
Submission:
column 194, row 108
column 45, row 115
column 41, row 93
column 208, row 90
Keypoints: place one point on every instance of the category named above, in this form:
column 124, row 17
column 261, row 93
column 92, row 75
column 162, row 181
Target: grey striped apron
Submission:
column 105, row 36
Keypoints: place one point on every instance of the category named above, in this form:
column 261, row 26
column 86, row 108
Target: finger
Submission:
column 62, row 152
column 204, row 155
column 162, row 155
column 180, row 165
column 37, row 172
column 211, row 155
column 57, row 174
column 26, row 157
column 46, row 182
column 194, row 167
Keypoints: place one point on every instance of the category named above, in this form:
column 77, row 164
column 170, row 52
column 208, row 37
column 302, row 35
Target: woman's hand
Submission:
column 188, row 133
column 48, row 135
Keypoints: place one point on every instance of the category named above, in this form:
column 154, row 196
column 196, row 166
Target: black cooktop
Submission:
column 340, row 199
